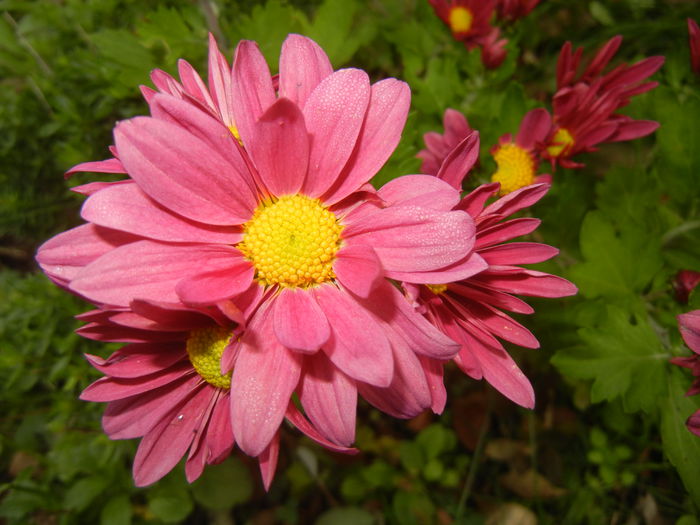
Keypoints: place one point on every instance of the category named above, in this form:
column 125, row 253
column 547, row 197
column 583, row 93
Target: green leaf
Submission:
column 117, row 511
column 82, row 493
column 346, row 516
column 680, row 445
column 223, row 486
column 617, row 262
column 623, row 357
column 172, row 506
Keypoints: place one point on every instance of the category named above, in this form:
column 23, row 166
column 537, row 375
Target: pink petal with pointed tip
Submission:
column 268, row 461
column 425, row 191
column 251, row 88
column 534, row 128
column 527, row 282
column 193, row 84
column 473, row 203
column 518, row 253
column 460, row 161
column 125, row 207
column 517, row 200
column 334, row 114
column 358, row 269
column 220, row 82
column 137, row 360
column 329, row 399
column 505, row 231
column 208, row 288
column 182, row 172
column 100, row 166
column 357, row 344
column 298, row 420
column 264, row 377
column 148, row 270
column 491, row 296
column 689, row 324
column 414, row 239
column 165, row 444
column 467, row 267
column 93, row 187
column 303, row 65
column 436, row 385
column 634, row 130
column 280, row 148
column 298, row 321
column 380, row 134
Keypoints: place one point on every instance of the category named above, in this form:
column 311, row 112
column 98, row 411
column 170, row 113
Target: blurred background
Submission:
column 607, row 441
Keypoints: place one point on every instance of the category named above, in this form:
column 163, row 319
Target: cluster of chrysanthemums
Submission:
column 584, row 115
column 246, row 262
column 470, row 23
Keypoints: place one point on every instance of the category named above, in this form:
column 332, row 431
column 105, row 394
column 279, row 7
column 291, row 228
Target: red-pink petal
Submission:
column 298, row 321
column 534, row 128
column 101, row 166
column 505, row 231
column 425, row 191
column 138, row 360
column 689, row 324
column 208, row 288
column 303, row 65
column 268, row 461
column 518, row 253
column 297, row 419
column 460, row 161
column 358, row 269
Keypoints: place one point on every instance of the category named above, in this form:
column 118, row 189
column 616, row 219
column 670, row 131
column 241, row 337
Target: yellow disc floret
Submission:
column 516, row 168
column 437, row 289
column 292, row 241
column 204, row 347
column 460, row 19
column 561, row 141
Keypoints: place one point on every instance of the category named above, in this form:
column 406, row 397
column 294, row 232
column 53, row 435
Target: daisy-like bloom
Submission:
column 511, row 10
column 689, row 325
column 586, row 104
column 518, row 160
column 284, row 233
column 470, row 311
column 694, row 43
column 166, row 387
column 438, row 146
column 493, row 49
column 684, row 283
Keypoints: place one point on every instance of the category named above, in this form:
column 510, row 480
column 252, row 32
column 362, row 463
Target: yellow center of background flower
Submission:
column 516, row 168
column 562, row 141
column 292, row 242
column 460, row 19
column 437, row 289
column 205, row 347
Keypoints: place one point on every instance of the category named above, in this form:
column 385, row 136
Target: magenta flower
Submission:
column 585, row 104
column 694, row 44
column 689, row 325
column 518, row 160
column 513, row 9
column 684, row 283
column 470, row 310
column 438, row 146
column 283, row 233
column 166, row 387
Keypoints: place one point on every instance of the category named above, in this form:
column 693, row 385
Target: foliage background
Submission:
column 607, row 441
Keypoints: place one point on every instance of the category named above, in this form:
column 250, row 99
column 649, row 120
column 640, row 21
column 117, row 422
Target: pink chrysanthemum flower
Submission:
column 518, row 160
column 470, row 310
column 438, row 146
column 286, row 223
column 689, row 325
column 166, row 387
column 585, row 105
column 694, row 44
column 511, row 10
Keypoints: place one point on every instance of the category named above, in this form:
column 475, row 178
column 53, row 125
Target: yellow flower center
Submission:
column 437, row 289
column 204, row 347
column 516, row 168
column 292, row 241
column 460, row 19
column 562, row 141
column 234, row 131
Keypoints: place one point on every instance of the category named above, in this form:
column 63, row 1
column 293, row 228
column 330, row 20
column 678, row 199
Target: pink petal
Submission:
column 138, row 360
column 357, row 344
column 182, row 172
column 436, row 385
column 303, row 65
column 329, row 399
column 164, row 445
column 148, row 270
column 268, row 461
column 280, row 148
column 414, row 239
column 505, row 231
column 134, row 416
column 251, row 88
column 633, row 130
column 474, row 202
column 125, row 207
column 467, row 267
column 220, row 439
column 491, row 296
column 460, row 161
column 220, row 82
column 111, row 389
column 527, row 282
column 534, row 128
column 334, row 114
column 208, row 288
column 298, row 321
column 380, row 134
column 517, row 200
column 298, row 420
column 518, row 253
column 264, row 377
column 93, row 187
column 358, row 269
column 689, row 324
column 425, row 191
column 193, row 84
column 102, row 166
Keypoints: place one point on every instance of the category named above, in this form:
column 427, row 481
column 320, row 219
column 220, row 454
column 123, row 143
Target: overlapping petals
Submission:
column 689, row 325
